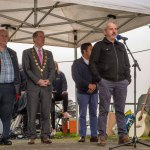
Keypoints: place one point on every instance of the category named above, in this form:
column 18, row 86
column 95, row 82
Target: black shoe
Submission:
column 1, row 143
column 82, row 139
column 5, row 142
column 46, row 141
column 94, row 139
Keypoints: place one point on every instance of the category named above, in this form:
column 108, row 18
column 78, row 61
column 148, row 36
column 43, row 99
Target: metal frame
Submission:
column 24, row 25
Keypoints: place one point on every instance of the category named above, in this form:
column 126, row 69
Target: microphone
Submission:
column 119, row 37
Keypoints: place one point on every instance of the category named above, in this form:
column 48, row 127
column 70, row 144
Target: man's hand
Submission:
column 91, row 88
column 47, row 82
column 42, row 82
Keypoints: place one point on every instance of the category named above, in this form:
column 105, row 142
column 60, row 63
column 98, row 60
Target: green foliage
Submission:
column 60, row 135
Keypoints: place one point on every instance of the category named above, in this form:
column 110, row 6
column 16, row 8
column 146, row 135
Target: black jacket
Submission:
column 82, row 76
column 59, row 83
column 110, row 61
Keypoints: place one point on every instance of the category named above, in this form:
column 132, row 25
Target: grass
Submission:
column 60, row 135
column 74, row 136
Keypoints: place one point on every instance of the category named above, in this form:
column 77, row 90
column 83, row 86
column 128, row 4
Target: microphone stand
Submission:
column 135, row 139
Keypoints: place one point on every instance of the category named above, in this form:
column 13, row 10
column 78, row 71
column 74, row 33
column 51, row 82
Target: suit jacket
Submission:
column 32, row 68
column 14, row 59
column 81, row 76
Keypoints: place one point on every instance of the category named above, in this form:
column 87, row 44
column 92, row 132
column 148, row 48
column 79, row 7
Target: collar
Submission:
column 85, row 60
column 5, row 51
column 38, row 49
column 107, row 41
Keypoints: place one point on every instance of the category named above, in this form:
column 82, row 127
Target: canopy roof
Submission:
column 70, row 22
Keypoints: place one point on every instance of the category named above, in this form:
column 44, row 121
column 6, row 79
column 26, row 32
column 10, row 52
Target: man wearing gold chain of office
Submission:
column 38, row 65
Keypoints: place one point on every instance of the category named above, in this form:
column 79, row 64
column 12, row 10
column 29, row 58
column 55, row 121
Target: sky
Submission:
column 138, row 39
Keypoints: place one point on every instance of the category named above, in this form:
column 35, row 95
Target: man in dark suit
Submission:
column 86, row 92
column 38, row 65
column 9, row 85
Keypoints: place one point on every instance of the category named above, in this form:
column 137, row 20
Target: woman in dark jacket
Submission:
column 59, row 94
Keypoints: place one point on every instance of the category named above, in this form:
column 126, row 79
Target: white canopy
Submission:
column 70, row 22
column 136, row 6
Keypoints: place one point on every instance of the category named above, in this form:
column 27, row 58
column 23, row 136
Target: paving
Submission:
column 70, row 144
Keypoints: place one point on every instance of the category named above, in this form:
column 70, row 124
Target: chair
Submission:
column 57, row 112
column 56, row 115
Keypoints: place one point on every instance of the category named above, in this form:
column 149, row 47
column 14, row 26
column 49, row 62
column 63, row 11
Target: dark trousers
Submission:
column 61, row 97
column 7, row 99
column 58, row 97
column 119, row 92
column 41, row 97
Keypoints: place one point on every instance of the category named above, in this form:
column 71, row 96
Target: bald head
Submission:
column 108, row 24
column 110, row 31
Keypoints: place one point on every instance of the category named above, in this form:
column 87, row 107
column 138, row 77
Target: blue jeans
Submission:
column 7, row 100
column 84, row 100
column 119, row 92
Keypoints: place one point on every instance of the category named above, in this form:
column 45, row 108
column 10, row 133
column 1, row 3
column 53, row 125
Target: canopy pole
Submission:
column 35, row 12
column 75, row 43
column 75, row 57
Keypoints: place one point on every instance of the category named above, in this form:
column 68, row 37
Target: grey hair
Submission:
column 107, row 23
